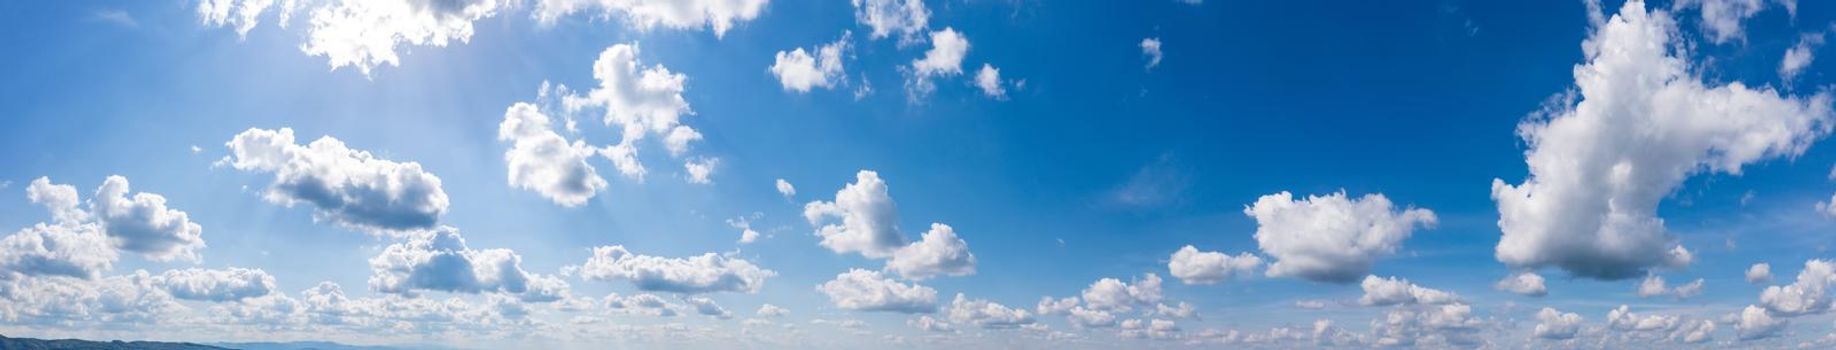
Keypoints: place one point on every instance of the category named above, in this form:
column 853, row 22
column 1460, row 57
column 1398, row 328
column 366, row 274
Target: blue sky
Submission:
column 1089, row 157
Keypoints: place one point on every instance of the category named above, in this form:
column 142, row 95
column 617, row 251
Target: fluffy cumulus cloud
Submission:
column 905, row 18
column 1192, row 266
column 944, row 59
column 545, row 162
column 1111, row 294
column 1651, row 327
column 707, row 307
column 1150, row 48
column 868, row 224
column 987, row 314
column 1554, row 324
column 642, row 101
column 106, row 301
column 1754, row 322
column 1448, row 325
column 1655, row 286
column 439, row 260
column 1807, row 295
column 797, row 70
column 867, row 290
column 83, row 242
column 216, row 285
column 1524, row 283
column 1331, row 238
column 143, row 224
column 704, row 273
column 1393, row 291
column 349, row 187
column 700, row 170
column 769, row 310
column 1759, row 273
column 369, row 34
column 940, row 253
column 989, row 80
column 716, row 15
column 361, row 34
column 869, row 221
column 1590, row 204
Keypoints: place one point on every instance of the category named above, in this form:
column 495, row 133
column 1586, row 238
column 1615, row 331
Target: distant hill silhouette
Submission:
column 77, row 344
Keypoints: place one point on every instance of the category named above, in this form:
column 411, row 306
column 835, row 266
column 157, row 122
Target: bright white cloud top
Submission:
column 1590, row 204
column 1331, row 238
column 347, row 186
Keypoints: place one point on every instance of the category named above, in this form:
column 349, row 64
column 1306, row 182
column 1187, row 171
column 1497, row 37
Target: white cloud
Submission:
column 707, row 307
column 1553, row 324
column 785, row 188
column 930, row 324
column 1720, row 19
column 106, row 301
column 1652, row 286
column 1310, row 304
column 1090, row 318
column 231, row 284
column 716, row 15
column 1759, row 273
column 1150, row 48
column 989, row 80
column 866, row 290
column 74, row 250
column 241, row 14
column 1800, row 55
column 643, row 101
column 1154, row 328
column 1524, row 283
column 1753, row 322
column 1049, row 306
column 641, row 304
column 700, row 169
column 1112, row 295
column 906, row 18
column 1589, row 206
column 987, row 314
column 704, row 273
column 769, row 310
column 1393, row 291
column 798, row 71
column 1192, row 266
column 1451, row 324
column 439, row 260
column 869, row 222
column 364, row 34
column 1184, row 310
column 1623, row 319
column 944, row 59
column 1688, row 290
column 81, row 242
column 143, row 224
column 1331, row 238
column 744, row 224
column 940, row 253
column 1804, row 296
column 350, row 187
column 543, row 161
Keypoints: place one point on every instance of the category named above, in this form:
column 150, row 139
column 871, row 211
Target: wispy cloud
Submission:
column 117, row 17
